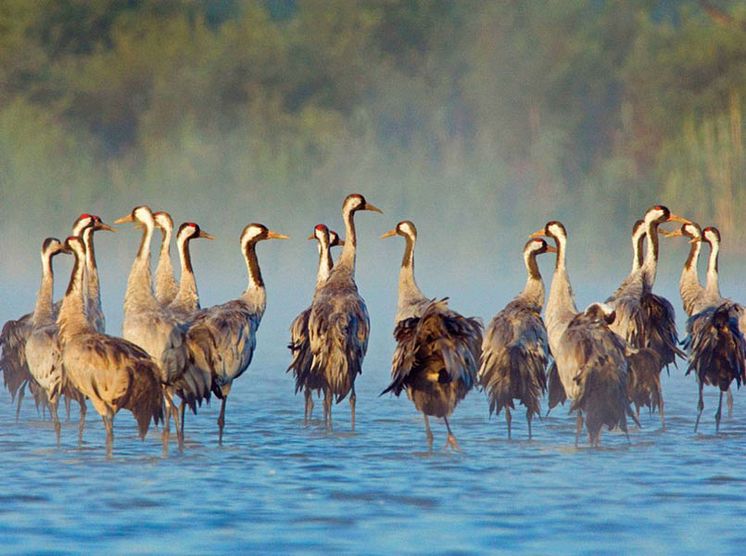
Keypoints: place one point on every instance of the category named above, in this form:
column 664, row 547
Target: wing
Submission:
column 300, row 349
column 660, row 328
column 13, row 362
column 222, row 339
column 44, row 358
column 439, row 333
column 514, row 357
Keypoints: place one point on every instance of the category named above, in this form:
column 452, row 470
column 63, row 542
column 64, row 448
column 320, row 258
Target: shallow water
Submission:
column 279, row 486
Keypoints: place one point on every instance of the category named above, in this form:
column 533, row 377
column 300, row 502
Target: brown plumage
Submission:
column 437, row 351
column 717, row 351
column 515, row 349
column 601, row 376
column 114, row 373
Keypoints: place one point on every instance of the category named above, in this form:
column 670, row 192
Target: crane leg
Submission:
column 508, row 421
column 719, row 413
column 729, row 403
column 353, row 400
column 109, row 426
column 177, row 425
column 451, row 440
column 661, row 410
column 67, row 406
column 221, row 420
column 309, row 406
column 578, row 428
column 182, row 413
column 700, row 406
column 328, row 410
column 81, row 420
column 21, row 393
column 55, row 420
column 428, row 433
column 529, row 416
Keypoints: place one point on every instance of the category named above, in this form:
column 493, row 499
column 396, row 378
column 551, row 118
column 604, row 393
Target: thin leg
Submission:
column 328, row 410
column 730, row 403
column 700, row 406
column 55, row 420
column 428, row 433
column 221, row 420
column 81, row 420
column 529, row 416
column 182, row 411
column 578, row 428
column 21, row 393
column 109, row 426
column 67, row 406
column 309, row 406
column 508, row 420
column 661, row 410
column 451, row 440
column 353, row 399
column 177, row 425
column 718, row 414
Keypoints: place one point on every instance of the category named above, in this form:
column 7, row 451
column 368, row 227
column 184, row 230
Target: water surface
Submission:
column 279, row 486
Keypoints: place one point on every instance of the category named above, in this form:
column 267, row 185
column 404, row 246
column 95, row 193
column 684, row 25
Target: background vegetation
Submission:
column 479, row 120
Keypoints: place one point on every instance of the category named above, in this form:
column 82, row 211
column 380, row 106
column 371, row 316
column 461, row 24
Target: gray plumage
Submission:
column 437, row 349
column 42, row 349
column 166, row 286
column 222, row 338
column 590, row 359
column 15, row 333
column 149, row 325
column 299, row 345
column 338, row 325
column 515, row 348
column 715, row 342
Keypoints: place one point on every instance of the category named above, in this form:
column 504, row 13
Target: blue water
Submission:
column 277, row 485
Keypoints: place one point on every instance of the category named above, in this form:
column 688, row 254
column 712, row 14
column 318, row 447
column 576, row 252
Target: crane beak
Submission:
column 678, row 232
column 537, row 234
column 390, row 233
column 676, row 218
column 205, row 235
column 275, row 235
column 124, row 219
column 105, row 227
column 340, row 243
column 551, row 249
column 371, row 207
column 312, row 236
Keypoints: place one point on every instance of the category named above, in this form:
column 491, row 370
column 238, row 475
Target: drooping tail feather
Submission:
column 145, row 396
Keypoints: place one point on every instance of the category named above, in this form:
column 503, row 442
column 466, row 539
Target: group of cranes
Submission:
column 174, row 354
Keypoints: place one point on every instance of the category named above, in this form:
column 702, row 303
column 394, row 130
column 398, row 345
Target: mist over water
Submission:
column 478, row 121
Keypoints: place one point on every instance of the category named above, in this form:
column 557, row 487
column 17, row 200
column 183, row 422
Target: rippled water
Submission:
column 279, row 486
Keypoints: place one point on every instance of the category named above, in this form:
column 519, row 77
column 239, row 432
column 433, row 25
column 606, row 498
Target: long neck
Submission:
column 92, row 283
column 637, row 258
column 165, row 284
column 72, row 318
column 139, row 290
column 325, row 263
column 187, row 296
column 255, row 294
column 689, row 287
column 533, row 291
column 650, row 265
column 43, row 309
column 561, row 303
column 347, row 259
column 409, row 292
column 711, row 285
